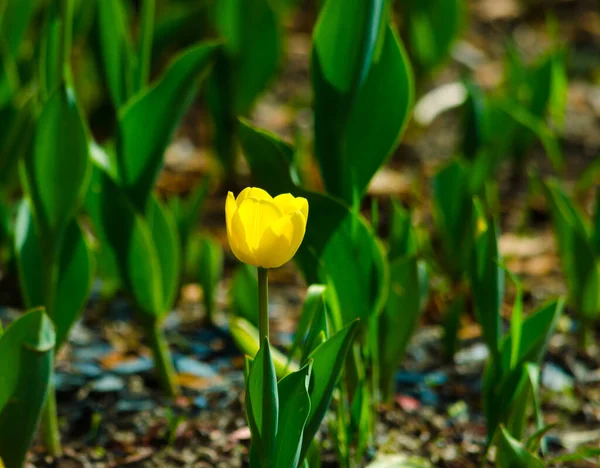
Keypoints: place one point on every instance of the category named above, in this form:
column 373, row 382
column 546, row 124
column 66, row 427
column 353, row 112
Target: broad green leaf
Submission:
column 125, row 236
column 514, row 455
column 26, row 361
column 118, row 59
column 487, row 281
column 294, row 408
column 244, row 293
column 356, row 130
column 57, row 170
column 253, row 42
column 431, row 28
column 345, row 39
column 210, row 271
column 328, row 360
column 339, row 249
column 314, row 301
column 245, row 337
column 148, row 120
column 398, row 320
column 262, row 405
column 166, row 243
column 453, row 214
column 75, row 269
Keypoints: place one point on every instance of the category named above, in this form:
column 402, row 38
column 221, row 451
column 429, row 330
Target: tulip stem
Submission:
column 163, row 361
column 263, row 303
column 50, row 430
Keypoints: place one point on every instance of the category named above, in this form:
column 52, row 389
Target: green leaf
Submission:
column 399, row 320
column 27, row 353
column 245, row 337
column 294, row 408
column 57, row 170
column 210, row 271
column 345, row 39
column 487, row 281
column 253, row 43
column 118, row 59
column 148, row 121
column 14, row 19
column 452, row 317
column 166, row 243
column 432, row 26
column 536, row 331
column 262, row 405
column 126, row 237
column 318, row 332
column 339, row 249
column 51, row 54
column 328, row 360
column 453, row 214
column 357, row 128
column 243, row 293
column 514, row 454
column 313, row 303
column 75, row 270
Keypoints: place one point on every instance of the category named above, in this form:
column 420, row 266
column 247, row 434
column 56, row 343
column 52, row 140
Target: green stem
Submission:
column 147, row 28
column 50, row 429
column 263, row 303
column 66, row 13
column 162, row 359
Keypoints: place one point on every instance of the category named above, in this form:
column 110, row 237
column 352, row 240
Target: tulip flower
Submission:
column 265, row 232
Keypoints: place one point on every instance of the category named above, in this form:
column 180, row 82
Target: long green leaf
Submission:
column 294, row 409
column 57, row 170
column 148, row 120
column 357, row 120
column 75, row 268
column 262, row 407
column 328, row 360
column 26, row 361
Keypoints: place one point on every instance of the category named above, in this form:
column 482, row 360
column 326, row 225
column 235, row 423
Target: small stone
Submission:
column 108, row 384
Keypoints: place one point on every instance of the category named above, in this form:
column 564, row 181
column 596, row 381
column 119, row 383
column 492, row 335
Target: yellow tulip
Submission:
column 264, row 231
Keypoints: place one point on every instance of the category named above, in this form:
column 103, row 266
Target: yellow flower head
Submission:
column 264, row 231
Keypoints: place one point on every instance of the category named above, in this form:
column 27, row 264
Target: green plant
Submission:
column 26, row 363
column 578, row 240
column 210, row 271
column 431, row 27
column 244, row 66
column 406, row 296
column 52, row 253
column 137, row 233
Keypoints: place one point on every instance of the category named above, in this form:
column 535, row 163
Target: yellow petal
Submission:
column 230, row 209
column 253, row 192
column 238, row 241
column 281, row 240
column 257, row 215
column 287, row 203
